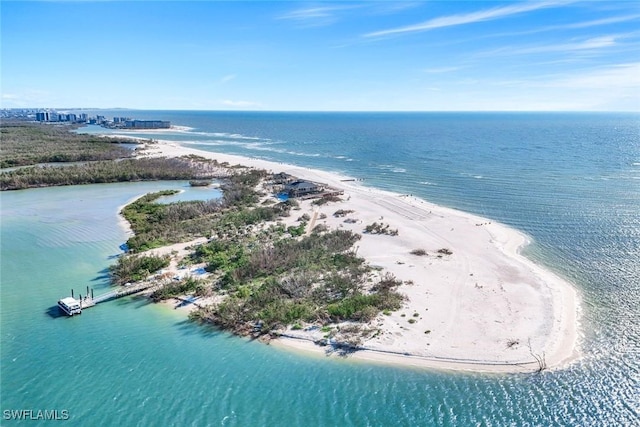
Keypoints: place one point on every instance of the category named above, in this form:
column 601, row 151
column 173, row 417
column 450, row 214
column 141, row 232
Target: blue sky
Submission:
column 328, row 56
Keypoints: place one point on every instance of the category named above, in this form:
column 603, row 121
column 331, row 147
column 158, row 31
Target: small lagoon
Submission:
column 189, row 193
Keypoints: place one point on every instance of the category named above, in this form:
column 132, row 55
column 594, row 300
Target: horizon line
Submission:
column 320, row 111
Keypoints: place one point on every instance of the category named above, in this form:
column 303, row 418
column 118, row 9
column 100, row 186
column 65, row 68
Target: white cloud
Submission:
column 571, row 26
column 594, row 23
column 611, row 77
column 619, row 76
column 576, row 46
column 610, row 88
column 386, row 8
column 316, row 16
column 589, row 44
column 469, row 18
column 310, row 13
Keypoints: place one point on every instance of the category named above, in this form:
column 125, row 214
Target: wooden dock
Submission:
column 89, row 300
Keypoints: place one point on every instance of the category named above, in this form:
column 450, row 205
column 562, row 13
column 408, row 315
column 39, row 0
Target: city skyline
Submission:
column 322, row 56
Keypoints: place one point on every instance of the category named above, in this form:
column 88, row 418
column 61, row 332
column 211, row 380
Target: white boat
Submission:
column 70, row 306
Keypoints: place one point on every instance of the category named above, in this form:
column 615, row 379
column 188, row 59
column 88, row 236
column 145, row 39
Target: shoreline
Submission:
column 485, row 308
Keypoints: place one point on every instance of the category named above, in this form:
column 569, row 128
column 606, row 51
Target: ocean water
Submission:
column 570, row 181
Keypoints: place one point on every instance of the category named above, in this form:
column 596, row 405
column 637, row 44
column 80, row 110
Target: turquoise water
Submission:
column 571, row 181
column 188, row 193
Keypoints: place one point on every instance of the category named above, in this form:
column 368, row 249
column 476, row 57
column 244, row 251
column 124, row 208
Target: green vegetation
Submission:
column 131, row 268
column 156, row 224
column 145, row 169
column 315, row 279
column 326, row 199
column 297, row 231
column 26, row 143
column 177, row 288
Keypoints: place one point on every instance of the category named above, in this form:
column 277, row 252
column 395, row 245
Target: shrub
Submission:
column 387, row 283
column 297, row 231
column 380, row 228
column 351, row 308
column 174, row 289
column 320, row 228
column 131, row 268
column 418, row 252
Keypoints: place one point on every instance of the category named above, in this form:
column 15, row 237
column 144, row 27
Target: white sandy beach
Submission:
column 485, row 307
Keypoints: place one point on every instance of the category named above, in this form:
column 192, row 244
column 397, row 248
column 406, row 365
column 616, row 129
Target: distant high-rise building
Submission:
column 42, row 116
column 148, row 124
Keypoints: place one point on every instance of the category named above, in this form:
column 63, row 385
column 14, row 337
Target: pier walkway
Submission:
column 89, row 300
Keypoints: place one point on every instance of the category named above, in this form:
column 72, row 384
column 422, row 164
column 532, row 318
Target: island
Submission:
column 317, row 261
column 463, row 297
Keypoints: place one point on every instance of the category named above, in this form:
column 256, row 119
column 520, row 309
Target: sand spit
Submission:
column 474, row 302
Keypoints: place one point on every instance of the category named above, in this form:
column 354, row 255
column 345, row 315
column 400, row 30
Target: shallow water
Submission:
column 187, row 193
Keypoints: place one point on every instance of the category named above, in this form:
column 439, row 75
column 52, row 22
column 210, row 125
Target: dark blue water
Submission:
column 570, row 181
